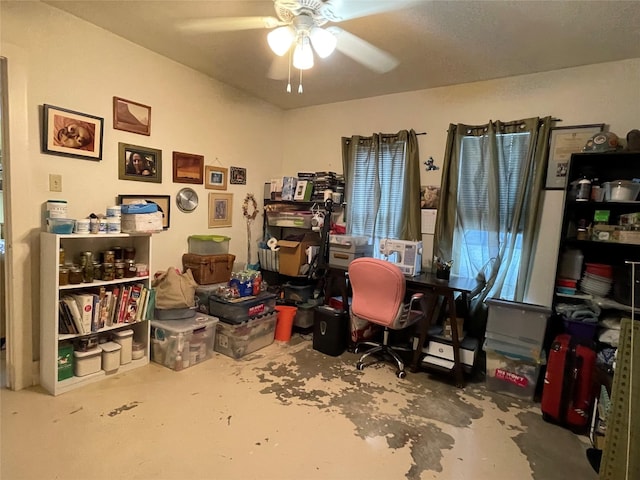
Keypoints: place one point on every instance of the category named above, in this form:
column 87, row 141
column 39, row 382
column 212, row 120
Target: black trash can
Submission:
column 330, row 330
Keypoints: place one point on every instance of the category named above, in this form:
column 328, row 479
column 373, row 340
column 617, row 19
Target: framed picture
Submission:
column 71, row 134
column 564, row 141
column 142, row 164
column 238, row 176
column 429, row 196
column 188, row 168
column 220, row 209
column 215, row 178
column 131, row 116
column 163, row 202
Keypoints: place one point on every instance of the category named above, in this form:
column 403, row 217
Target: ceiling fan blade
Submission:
column 227, row 24
column 279, row 69
column 363, row 52
column 340, row 10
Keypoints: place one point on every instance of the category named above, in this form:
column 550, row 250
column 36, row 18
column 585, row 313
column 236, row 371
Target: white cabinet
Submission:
column 51, row 340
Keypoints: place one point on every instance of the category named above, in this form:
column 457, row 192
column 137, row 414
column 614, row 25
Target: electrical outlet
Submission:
column 55, row 182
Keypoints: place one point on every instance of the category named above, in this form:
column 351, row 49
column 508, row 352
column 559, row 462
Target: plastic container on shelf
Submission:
column 621, row 191
column 571, row 264
column 110, row 356
column 87, row 362
column 60, row 225
column 125, row 339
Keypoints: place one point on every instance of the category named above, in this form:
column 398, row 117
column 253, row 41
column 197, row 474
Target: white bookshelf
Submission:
column 51, row 291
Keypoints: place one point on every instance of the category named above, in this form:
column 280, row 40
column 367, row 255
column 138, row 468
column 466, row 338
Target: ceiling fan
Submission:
column 299, row 30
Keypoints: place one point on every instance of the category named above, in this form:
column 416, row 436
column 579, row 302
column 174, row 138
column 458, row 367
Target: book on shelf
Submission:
column 142, row 303
column 65, row 319
column 124, row 300
column 85, row 307
column 151, row 304
column 131, row 309
column 95, row 313
column 76, row 316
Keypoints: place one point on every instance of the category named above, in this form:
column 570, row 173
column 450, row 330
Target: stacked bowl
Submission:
column 597, row 279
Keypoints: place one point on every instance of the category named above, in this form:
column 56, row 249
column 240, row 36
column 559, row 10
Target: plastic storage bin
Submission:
column 238, row 310
column 209, row 244
column 203, row 292
column 511, row 375
column 125, row 339
column 87, row 362
column 297, row 293
column 208, row 269
column 236, row 341
column 110, row 356
column 517, row 323
column 179, row 344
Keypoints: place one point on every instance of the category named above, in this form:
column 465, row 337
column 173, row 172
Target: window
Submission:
column 479, row 237
column 377, row 189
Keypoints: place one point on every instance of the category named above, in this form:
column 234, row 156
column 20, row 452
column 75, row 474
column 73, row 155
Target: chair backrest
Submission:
column 378, row 290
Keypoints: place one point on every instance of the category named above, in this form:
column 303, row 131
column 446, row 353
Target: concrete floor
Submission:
column 284, row 412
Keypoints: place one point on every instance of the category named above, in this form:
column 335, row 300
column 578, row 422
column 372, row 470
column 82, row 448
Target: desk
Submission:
column 428, row 283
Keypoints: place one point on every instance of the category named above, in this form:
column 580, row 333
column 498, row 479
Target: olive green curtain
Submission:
column 524, row 216
column 375, row 152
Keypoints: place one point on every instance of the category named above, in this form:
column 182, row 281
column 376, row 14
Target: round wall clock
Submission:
column 187, row 200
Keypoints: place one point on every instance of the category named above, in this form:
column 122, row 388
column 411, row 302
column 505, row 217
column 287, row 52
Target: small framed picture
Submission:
column 238, row 176
column 429, row 196
column 188, row 168
column 71, row 134
column 563, row 141
column 220, row 209
column 131, row 116
column 163, row 202
column 142, row 164
column 215, row 178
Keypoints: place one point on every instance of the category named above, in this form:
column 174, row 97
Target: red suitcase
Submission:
column 567, row 393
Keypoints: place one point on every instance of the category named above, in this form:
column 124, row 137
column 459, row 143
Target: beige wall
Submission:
column 57, row 59
column 605, row 93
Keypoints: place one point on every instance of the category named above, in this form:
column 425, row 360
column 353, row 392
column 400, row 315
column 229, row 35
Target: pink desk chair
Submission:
column 378, row 296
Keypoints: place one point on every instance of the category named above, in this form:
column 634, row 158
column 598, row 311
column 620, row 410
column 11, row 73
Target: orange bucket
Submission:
column 284, row 324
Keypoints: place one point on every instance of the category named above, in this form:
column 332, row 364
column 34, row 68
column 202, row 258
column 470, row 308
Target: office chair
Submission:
column 379, row 297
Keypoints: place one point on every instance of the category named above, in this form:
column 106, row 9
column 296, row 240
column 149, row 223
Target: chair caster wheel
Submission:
column 360, row 366
column 401, row 374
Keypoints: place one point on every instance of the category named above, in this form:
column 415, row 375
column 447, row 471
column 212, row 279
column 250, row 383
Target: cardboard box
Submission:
column 293, row 254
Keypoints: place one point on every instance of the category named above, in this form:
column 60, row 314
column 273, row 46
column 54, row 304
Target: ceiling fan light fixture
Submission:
column 280, row 39
column 303, row 55
column 323, row 41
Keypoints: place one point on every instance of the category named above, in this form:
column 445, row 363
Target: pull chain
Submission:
column 300, row 86
column 289, row 82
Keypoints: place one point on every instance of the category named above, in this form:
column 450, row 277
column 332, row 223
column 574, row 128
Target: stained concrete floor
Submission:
column 283, row 412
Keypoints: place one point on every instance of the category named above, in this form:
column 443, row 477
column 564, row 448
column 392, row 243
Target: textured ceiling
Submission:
column 437, row 43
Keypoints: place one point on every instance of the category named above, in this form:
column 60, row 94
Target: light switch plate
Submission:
column 55, row 182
